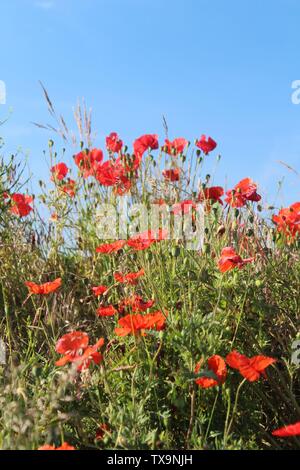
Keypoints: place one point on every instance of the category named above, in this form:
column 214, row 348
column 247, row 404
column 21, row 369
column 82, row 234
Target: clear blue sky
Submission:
column 220, row 67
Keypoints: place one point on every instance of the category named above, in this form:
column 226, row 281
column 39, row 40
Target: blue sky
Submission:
column 222, row 68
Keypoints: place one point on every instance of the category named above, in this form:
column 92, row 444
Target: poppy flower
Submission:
column 230, row 260
column 75, row 348
column 175, row 147
column 20, row 204
column 99, row 290
column 142, row 241
column 113, row 143
column 250, row 368
column 108, row 248
column 64, row 446
column 214, row 193
column 131, row 324
column 88, row 161
column 143, row 143
column 183, row 207
column 108, row 174
column 59, row 171
column 106, row 311
column 101, row 431
column 135, row 303
column 206, row 144
column 155, row 321
column 43, row 289
column 288, row 220
column 172, row 175
column 129, row 278
column 245, row 190
column 217, row 365
column 289, row 430
column 69, row 187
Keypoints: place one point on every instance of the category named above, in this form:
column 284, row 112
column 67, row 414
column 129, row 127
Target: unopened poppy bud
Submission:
column 207, row 177
column 206, row 248
column 218, row 158
column 250, row 233
column 221, row 230
column 259, row 207
column 81, row 144
column 198, row 152
column 251, row 219
column 50, row 143
column 183, row 158
column 236, row 213
column 175, row 251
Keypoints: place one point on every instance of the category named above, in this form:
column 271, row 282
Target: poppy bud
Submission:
column 251, row 219
column 198, row 152
column 259, row 207
column 183, row 158
column 50, row 143
column 176, row 251
column 250, row 233
column 207, row 177
column 221, row 230
column 206, row 248
column 236, row 213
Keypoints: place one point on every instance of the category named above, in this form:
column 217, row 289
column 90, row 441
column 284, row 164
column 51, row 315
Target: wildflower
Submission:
column 20, row 204
column 106, row 311
column 214, row 193
column 129, row 278
column 217, row 365
column 88, row 161
column 245, row 190
column 108, row 248
column 172, row 175
column 183, row 207
column 206, row 144
column 135, row 303
column 43, row 289
column 286, row 431
column 230, row 260
column 288, row 220
column 101, row 431
column 250, row 368
column 69, row 187
column 143, row 143
column 99, row 290
column 175, row 147
column 113, row 143
column 59, row 171
column 131, row 324
column 143, row 240
column 64, row 446
column 155, row 321
column 75, row 348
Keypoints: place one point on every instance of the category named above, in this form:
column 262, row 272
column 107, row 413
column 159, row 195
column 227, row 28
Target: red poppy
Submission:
column 206, row 144
column 177, row 146
column 64, row 446
column 250, row 368
column 286, row 431
column 288, row 220
column 113, row 143
column 155, row 321
column 108, row 311
column 101, row 431
column 172, row 175
column 131, row 324
column 43, row 289
column 183, row 207
column 59, row 171
column 88, row 161
column 75, row 348
column 217, row 365
column 20, row 204
column 245, row 190
column 142, row 241
column 108, row 248
column 129, row 278
column 69, row 187
column 99, row 290
column 136, row 304
column 143, row 143
column 214, row 193
column 230, row 260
